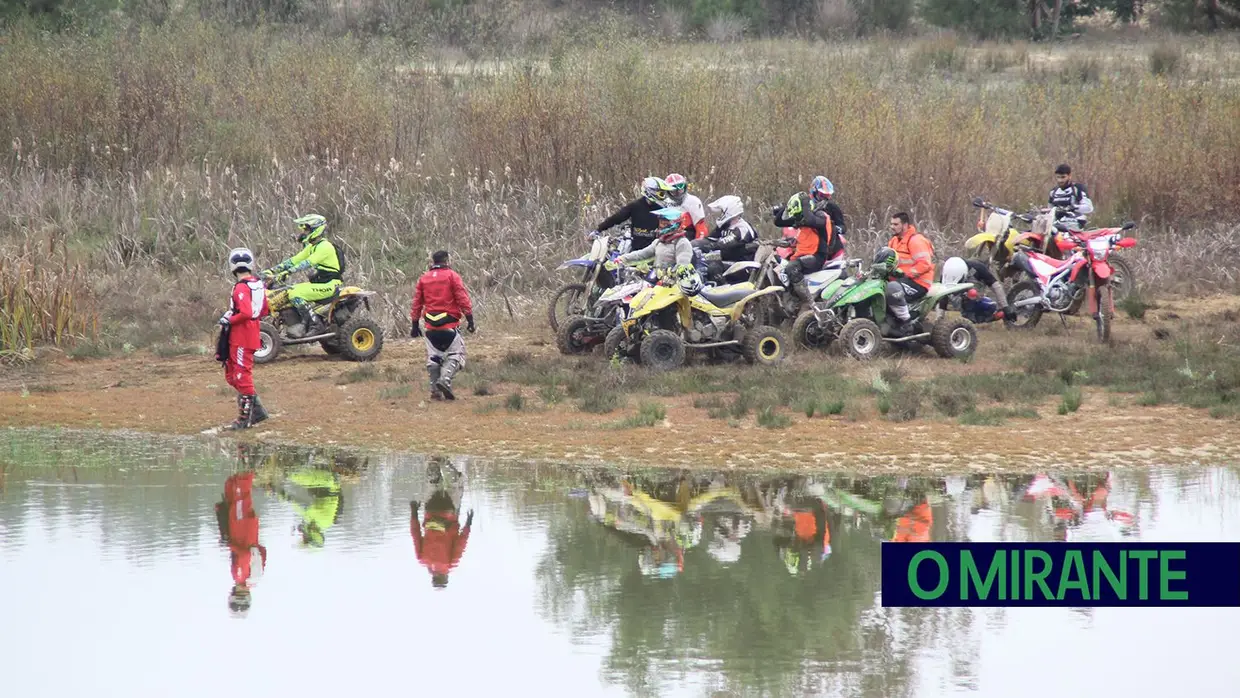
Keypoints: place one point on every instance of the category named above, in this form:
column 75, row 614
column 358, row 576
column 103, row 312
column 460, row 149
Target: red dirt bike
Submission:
column 1062, row 286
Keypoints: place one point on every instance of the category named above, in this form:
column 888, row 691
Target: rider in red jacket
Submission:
column 239, row 337
column 441, row 300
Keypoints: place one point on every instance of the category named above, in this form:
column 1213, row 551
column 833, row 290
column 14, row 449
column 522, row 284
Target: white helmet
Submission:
column 727, row 208
column 954, row 271
column 239, row 259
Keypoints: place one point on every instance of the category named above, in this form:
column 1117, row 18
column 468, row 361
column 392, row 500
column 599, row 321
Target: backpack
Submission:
column 340, row 256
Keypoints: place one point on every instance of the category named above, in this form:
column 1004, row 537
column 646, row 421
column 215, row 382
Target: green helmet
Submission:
column 797, row 207
column 885, row 261
column 311, row 227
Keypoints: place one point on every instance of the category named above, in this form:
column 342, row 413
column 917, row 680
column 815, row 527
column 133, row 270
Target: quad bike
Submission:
column 998, row 241
column 343, row 327
column 679, row 313
column 578, row 334
column 1062, row 286
column 580, row 295
column 855, row 311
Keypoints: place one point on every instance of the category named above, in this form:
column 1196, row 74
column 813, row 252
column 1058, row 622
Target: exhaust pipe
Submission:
column 1025, row 302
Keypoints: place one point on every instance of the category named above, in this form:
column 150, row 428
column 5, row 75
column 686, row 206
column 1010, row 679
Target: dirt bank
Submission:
column 317, row 399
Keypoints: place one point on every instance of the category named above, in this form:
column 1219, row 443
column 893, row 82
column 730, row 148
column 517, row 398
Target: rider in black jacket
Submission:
column 640, row 213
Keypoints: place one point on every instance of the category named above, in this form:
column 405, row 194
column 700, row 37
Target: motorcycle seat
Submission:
column 723, row 296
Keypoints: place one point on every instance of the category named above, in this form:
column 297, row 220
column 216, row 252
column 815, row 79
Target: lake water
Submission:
column 123, row 573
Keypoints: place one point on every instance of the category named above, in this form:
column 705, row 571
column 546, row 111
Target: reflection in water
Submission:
column 239, row 531
column 439, row 539
column 656, row 582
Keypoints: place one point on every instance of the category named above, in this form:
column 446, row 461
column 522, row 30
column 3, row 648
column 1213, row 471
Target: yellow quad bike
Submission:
column 346, row 329
column 678, row 314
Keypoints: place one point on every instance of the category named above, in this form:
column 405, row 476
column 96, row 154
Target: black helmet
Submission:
column 886, row 259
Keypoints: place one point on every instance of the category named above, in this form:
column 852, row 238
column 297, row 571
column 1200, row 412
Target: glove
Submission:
column 469, row 519
column 413, row 505
column 415, row 331
column 469, row 323
column 777, row 212
column 611, row 265
column 592, row 234
column 224, row 322
column 898, row 273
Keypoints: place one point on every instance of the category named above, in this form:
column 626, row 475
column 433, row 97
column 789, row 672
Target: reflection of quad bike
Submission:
column 344, row 328
column 679, row 313
column 854, row 310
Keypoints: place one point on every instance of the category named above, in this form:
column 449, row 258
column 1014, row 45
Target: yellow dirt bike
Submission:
column 679, row 313
column 997, row 239
column 344, row 328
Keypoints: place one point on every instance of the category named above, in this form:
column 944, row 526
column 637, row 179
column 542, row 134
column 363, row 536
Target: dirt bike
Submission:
column 998, row 240
column 578, row 334
column 343, row 328
column 664, row 321
column 856, row 313
column 1062, row 286
column 579, row 295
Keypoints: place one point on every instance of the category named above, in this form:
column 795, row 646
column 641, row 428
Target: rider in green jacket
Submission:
column 320, row 258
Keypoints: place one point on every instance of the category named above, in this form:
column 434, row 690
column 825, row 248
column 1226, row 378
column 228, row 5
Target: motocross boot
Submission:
column 245, row 406
column 449, row 369
column 801, row 289
column 258, row 413
column 307, row 319
column 433, row 372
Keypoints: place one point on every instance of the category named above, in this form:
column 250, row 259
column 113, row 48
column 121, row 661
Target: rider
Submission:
column 821, row 190
column 733, row 233
column 816, row 242
column 320, row 257
column 239, row 337
column 671, row 248
column 440, row 298
column 909, row 260
column 640, row 213
column 681, row 197
column 959, row 270
column 1069, row 198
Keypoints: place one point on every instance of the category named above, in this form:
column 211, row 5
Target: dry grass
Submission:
column 43, row 299
column 152, row 153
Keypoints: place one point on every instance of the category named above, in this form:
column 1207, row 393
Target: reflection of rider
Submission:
column 323, row 511
column 238, row 524
column 320, row 258
column 439, row 540
column 914, row 526
column 810, row 537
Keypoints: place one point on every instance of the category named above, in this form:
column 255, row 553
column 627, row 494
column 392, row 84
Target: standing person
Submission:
column 239, row 531
column 239, row 337
column 910, row 259
column 692, row 205
column 440, row 298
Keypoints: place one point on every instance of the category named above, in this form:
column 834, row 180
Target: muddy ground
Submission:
column 312, row 400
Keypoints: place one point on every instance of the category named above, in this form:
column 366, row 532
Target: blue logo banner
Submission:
column 1061, row 574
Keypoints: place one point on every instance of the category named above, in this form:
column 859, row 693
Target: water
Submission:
column 114, row 579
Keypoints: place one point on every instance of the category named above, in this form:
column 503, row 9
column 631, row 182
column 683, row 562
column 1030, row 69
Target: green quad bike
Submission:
column 854, row 310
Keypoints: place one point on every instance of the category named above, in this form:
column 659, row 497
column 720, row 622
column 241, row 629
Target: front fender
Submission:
column 976, row 242
column 582, row 262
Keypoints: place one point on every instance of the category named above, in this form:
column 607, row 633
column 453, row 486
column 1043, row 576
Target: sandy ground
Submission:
column 185, row 395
